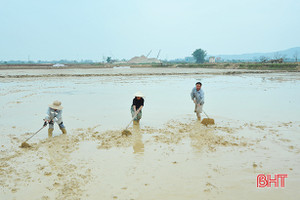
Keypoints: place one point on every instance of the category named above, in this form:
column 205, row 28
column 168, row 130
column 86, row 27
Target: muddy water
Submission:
column 105, row 101
column 170, row 155
column 118, row 71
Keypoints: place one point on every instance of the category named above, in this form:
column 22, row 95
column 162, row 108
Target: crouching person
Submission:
column 136, row 107
column 54, row 115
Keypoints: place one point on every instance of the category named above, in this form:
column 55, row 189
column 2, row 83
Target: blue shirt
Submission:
column 56, row 116
column 198, row 95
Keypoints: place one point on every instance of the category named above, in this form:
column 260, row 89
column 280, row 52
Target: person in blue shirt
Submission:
column 197, row 96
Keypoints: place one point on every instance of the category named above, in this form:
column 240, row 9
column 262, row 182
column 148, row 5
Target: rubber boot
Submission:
column 50, row 131
column 63, row 130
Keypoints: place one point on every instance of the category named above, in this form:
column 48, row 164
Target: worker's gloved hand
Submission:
column 45, row 123
column 194, row 100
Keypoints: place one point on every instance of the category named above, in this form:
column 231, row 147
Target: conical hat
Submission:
column 139, row 94
column 56, row 105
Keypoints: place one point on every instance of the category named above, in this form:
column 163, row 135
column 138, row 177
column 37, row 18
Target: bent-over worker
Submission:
column 136, row 107
column 54, row 115
column 197, row 96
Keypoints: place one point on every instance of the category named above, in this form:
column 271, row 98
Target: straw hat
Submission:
column 139, row 94
column 56, row 105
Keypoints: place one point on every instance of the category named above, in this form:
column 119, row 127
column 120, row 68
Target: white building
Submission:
column 58, row 65
column 212, row 59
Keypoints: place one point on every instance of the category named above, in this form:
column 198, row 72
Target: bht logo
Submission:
column 265, row 181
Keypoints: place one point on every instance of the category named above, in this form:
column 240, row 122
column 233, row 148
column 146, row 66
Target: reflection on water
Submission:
column 138, row 145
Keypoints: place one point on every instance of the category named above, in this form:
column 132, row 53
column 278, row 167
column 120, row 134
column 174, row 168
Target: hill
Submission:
column 287, row 54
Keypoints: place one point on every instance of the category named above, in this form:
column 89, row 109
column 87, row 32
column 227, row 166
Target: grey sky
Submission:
column 91, row 29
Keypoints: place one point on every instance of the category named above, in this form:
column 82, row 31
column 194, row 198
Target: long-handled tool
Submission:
column 207, row 120
column 25, row 144
column 126, row 131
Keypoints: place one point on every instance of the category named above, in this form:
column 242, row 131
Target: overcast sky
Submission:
column 91, row 29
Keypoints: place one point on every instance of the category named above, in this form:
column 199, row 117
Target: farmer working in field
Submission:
column 136, row 107
column 197, row 96
column 54, row 115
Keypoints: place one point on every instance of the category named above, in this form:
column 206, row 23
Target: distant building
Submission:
column 212, row 59
column 58, row 65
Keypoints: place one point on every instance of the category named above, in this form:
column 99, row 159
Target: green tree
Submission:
column 108, row 60
column 199, row 55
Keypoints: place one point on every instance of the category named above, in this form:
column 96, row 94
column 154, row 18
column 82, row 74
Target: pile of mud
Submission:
column 143, row 59
column 25, row 145
column 126, row 133
column 208, row 121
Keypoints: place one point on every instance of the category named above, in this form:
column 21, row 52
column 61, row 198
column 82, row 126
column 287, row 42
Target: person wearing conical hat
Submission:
column 54, row 115
column 136, row 107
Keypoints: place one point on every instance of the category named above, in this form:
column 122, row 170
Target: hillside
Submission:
column 288, row 53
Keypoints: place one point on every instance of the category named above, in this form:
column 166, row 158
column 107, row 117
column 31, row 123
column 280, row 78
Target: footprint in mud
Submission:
column 56, row 184
column 209, row 187
column 261, row 127
column 14, row 190
column 47, row 173
column 284, row 140
column 254, row 165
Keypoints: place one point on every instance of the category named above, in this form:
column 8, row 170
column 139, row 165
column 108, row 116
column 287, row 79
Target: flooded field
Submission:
column 170, row 155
